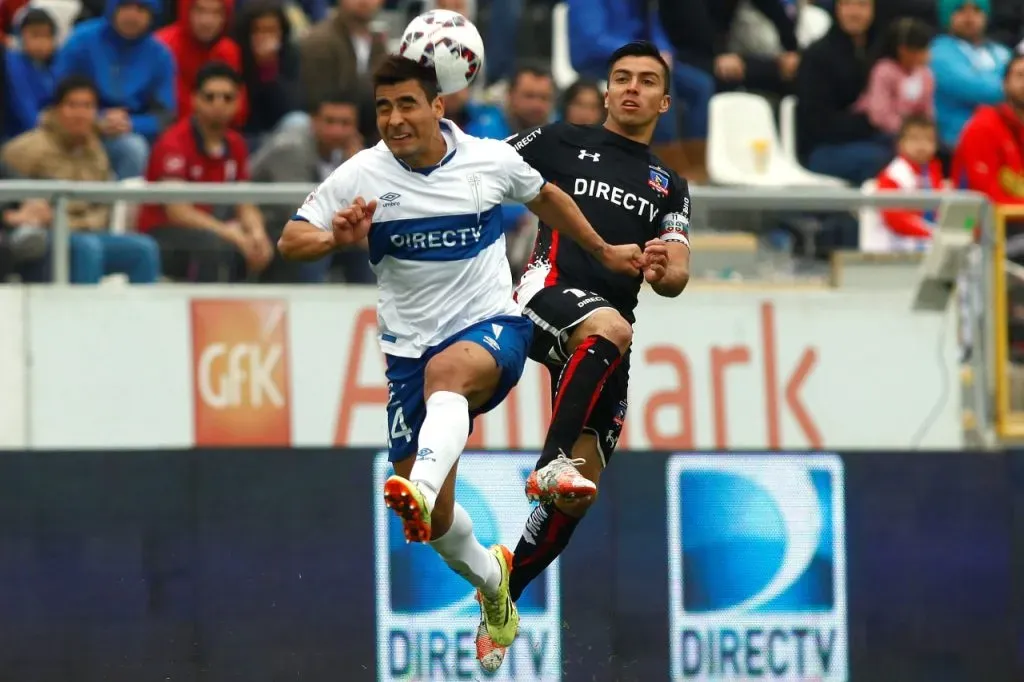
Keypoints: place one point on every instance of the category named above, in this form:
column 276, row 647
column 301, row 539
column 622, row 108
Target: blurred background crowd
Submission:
column 880, row 95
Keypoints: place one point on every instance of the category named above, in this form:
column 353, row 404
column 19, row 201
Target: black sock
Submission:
column 581, row 382
column 546, row 534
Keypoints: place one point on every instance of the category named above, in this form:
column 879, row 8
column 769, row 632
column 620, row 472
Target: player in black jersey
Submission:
column 583, row 312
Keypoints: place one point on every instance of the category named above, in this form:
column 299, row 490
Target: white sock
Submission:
column 443, row 437
column 466, row 556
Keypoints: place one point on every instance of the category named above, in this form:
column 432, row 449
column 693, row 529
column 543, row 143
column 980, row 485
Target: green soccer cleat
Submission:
column 500, row 612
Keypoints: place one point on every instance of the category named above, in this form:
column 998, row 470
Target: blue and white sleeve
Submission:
column 333, row 194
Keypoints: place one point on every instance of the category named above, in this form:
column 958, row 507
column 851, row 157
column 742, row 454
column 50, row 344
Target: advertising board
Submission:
column 13, row 362
column 187, row 366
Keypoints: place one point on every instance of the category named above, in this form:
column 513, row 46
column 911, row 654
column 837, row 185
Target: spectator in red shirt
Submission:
column 199, row 36
column 990, row 156
column 200, row 242
column 915, row 168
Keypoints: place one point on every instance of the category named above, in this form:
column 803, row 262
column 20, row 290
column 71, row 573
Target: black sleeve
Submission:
column 536, row 145
column 675, row 221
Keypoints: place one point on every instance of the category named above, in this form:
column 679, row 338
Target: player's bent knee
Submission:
column 609, row 324
column 465, row 369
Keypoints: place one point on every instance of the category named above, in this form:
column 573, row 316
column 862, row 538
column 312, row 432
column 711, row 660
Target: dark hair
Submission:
column 396, row 69
column 335, row 97
column 1014, row 58
column 574, row 90
column 74, row 83
column 213, row 70
column 916, row 121
column 529, row 68
column 37, row 17
column 641, row 48
column 907, row 32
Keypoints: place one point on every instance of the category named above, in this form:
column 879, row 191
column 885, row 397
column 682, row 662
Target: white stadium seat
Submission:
column 561, row 63
column 744, row 148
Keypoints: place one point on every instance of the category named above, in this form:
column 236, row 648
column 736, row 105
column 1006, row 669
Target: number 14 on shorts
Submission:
column 397, row 428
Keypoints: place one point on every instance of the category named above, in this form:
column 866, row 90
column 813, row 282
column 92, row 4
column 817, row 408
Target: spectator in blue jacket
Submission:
column 134, row 73
column 968, row 67
column 30, row 72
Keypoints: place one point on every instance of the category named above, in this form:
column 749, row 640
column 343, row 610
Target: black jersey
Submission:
column 623, row 190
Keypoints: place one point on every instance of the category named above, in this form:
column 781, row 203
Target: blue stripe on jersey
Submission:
column 437, row 238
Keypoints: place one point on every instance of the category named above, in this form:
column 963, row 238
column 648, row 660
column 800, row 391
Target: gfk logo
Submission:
column 240, row 379
column 239, row 375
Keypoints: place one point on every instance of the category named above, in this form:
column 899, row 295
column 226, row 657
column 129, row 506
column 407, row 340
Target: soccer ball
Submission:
column 447, row 41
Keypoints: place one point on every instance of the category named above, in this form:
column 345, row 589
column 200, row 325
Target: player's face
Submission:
column 406, row 119
column 636, row 92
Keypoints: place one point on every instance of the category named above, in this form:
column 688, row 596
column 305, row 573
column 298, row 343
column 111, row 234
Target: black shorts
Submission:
column 556, row 311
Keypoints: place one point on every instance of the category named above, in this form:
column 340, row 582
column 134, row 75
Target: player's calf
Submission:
column 457, row 380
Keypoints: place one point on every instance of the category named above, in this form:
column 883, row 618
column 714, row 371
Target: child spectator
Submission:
column 30, row 72
column 915, row 168
column 199, row 36
column 901, row 84
column 270, row 69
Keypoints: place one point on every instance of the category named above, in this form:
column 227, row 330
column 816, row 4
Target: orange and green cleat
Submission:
column 407, row 501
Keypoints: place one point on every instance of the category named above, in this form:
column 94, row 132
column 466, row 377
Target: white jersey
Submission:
column 436, row 243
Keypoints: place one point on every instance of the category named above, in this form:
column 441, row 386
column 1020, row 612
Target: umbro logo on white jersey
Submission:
column 389, row 199
column 596, row 156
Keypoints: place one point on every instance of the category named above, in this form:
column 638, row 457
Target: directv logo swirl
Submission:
column 757, row 568
column 427, row 615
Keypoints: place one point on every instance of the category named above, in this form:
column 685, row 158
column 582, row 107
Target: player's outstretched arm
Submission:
column 557, row 209
column 303, row 241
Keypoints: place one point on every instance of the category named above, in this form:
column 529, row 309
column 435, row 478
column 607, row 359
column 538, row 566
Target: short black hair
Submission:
column 335, row 97
column 396, row 69
column 640, row 48
column 916, row 121
column 529, row 68
column 1017, row 56
column 213, row 70
column 74, row 83
column 37, row 17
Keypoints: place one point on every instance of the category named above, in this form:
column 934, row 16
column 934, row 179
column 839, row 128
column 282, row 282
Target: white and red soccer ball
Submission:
column 450, row 43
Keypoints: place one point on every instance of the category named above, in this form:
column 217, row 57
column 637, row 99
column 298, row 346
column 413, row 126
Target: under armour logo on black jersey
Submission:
column 585, row 155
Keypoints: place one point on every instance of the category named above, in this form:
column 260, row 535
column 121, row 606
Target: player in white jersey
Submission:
column 453, row 340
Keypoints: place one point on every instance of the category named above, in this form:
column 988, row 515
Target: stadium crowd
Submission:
column 903, row 93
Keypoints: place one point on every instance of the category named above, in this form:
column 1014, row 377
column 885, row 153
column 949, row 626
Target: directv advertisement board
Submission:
column 427, row 615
